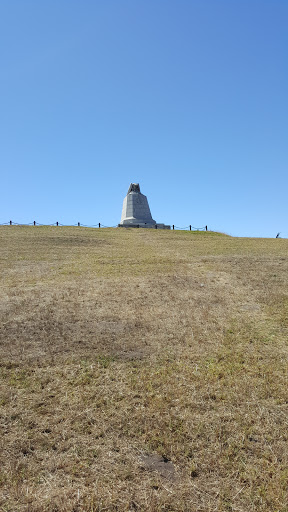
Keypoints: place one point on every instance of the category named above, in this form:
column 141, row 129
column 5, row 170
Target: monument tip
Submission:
column 134, row 187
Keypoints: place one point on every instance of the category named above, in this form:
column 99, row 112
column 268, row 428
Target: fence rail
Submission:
column 99, row 225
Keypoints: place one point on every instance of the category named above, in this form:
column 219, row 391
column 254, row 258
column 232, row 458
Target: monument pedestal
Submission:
column 155, row 226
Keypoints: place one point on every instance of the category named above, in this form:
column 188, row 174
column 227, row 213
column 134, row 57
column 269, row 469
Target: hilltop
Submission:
column 142, row 370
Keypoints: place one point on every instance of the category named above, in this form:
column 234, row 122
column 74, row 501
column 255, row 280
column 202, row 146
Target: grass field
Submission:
column 142, row 370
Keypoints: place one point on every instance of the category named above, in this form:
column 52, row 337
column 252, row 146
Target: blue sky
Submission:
column 186, row 97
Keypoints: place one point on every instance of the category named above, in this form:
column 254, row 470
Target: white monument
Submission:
column 136, row 212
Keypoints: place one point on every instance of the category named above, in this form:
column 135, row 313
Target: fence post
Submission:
column 57, row 223
column 99, row 224
column 78, row 224
column 10, row 222
column 155, row 226
column 206, row 228
column 173, row 226
column 34, row 223
column 190, row 228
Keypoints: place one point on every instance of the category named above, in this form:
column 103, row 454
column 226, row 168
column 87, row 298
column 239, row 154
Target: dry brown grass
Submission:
column 142, row 370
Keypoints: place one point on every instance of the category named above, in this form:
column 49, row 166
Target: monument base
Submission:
column 141, row 225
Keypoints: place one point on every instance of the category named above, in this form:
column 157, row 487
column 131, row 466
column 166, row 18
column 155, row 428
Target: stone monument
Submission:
column 136, row 212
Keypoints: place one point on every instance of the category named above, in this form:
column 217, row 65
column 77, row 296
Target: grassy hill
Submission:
column 142, row 370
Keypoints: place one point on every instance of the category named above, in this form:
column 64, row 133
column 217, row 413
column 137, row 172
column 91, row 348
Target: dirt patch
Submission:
column 250, row 307
column 131, row 355
column 159, row 464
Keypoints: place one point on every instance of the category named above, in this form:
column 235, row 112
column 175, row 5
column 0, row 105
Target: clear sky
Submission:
column 187, row 97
